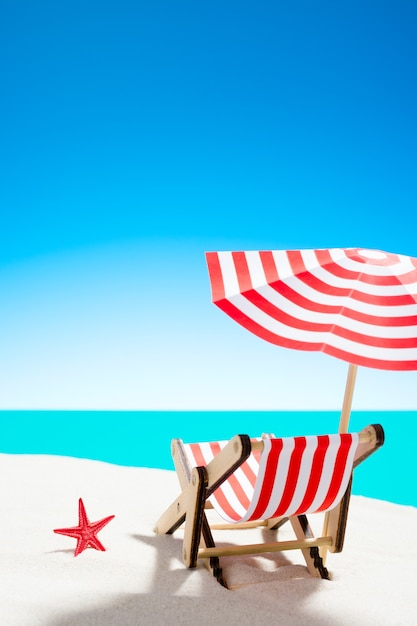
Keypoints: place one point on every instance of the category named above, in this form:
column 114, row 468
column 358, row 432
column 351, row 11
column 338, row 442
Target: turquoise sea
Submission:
column 142, row 438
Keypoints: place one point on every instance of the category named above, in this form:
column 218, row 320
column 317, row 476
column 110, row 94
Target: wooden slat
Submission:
column 367, row 435
column 260, row 548
column 227, row 461
column 239, row 525
column 181, row 463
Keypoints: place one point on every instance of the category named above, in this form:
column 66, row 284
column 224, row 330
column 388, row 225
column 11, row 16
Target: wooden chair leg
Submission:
column 337, row 521
column 311, row 556
column 194, row 515
column 213, row 563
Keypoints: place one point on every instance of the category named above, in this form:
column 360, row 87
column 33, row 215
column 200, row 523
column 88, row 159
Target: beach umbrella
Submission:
column 355, row 304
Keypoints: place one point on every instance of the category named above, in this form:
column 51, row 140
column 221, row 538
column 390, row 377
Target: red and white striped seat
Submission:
column 290, row 476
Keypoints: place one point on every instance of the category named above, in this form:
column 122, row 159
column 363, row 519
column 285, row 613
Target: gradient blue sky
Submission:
column 137, row 135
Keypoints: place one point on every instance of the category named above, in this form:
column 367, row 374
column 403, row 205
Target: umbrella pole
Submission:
column 347, row 401
column 343, row 428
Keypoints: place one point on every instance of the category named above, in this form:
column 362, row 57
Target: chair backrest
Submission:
column 290, row 476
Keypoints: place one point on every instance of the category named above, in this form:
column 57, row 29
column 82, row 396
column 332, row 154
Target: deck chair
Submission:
column 266, row 481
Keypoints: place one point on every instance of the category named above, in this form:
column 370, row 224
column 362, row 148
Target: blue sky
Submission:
column 138, row 135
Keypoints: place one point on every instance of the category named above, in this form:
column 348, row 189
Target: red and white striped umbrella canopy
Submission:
column 355, row 304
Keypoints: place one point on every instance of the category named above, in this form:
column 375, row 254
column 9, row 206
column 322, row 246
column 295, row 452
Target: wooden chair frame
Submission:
column 198, row 483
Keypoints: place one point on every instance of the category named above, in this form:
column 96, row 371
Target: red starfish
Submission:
column 85, row 533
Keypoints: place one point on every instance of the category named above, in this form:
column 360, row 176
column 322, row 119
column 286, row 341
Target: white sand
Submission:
column 140, row 578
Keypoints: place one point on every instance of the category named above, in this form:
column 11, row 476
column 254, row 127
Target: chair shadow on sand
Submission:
column 268, row 588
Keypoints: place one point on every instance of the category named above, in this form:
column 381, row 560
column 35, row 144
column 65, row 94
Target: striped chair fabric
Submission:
column 290, row 476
